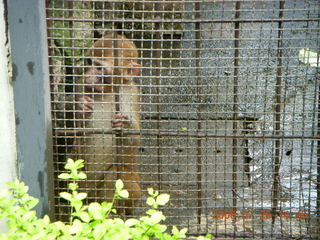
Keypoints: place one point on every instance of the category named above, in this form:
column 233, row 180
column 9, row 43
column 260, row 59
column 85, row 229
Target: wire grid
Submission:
column 229, row 108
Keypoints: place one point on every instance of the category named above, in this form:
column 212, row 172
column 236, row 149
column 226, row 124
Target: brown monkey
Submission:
column 97, row 110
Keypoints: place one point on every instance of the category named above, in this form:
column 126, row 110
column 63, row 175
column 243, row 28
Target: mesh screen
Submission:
column 213, row 102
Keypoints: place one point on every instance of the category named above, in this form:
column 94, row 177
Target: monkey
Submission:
column 96, row 109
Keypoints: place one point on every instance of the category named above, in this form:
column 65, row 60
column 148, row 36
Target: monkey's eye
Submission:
column 87, row 61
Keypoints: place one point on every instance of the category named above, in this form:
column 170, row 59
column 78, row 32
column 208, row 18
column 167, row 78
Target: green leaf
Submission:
column 84, row 216
column 156, row 217
column 175, row 230
column 64, row 176
column 145, row 237
column 150, row 191
column 29, row 216
column 179, row 234
column 158, row 228
column 81, row 196
column 99, row 231
column 46, row 219
column 70, row 164
column 207, row 237
column 95, row 210
column 32, row 203
column 131, row 222
column 151, row 201
column 66, row 196
column 82, row 175
column 123, row 194
column 10, row 184
column 151, row 211
column 106, row 206
column 119, row 185
column 60, row 226
column 201, row 238
column 162, row 199
column 78, row 164
column 73, row 186
column 77, row 204
column 183, row 230
column 76, row 227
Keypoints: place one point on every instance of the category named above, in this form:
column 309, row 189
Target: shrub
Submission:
column 93, row 221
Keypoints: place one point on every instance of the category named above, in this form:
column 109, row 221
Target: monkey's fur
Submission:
column 96, row 109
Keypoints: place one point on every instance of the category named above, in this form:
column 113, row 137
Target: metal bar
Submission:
column 53, row 113
column 235, row 108
column 199, row 100
column 277, row 126
column 318, row 133
column 203, row 134
column 117, row 74
column 116, row 91
column 195, row 21
column 318, row 157
column 156, row 55
column 71, row 31
column 253, row 236
column 178, row 1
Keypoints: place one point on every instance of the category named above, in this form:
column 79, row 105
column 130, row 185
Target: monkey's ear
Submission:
column 132, row 70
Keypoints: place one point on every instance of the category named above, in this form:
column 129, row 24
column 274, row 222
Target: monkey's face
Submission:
column 102, row 69
column 100, row 73
column 97, row 74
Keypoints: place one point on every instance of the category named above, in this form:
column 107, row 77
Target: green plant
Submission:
column 93, row 221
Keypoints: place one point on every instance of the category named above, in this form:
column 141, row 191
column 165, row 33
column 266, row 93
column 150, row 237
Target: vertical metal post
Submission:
column 117, row 72
column 318, row 156
column 318, row 134
column 156, row 54
column 27, row 27
column 277, row 124
column 72, row 61
column 116, row 91
column 199, row 117
column 235, row 107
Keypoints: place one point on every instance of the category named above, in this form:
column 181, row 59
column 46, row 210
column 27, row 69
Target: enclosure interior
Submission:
column 228, row 96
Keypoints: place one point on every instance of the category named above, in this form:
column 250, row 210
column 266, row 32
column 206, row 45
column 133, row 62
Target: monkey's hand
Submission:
column 85, row 104
column 121, row 121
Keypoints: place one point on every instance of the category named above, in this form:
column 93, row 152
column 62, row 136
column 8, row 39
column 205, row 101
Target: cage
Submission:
column 223, row 116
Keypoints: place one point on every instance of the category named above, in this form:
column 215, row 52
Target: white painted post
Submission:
column 8, row 152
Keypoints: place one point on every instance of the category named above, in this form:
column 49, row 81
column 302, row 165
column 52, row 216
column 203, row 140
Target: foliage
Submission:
column 93, row 221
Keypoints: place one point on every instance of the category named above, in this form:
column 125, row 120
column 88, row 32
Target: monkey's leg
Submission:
column 131, row 181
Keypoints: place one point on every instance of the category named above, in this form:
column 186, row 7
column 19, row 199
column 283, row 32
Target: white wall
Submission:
column 7, row 120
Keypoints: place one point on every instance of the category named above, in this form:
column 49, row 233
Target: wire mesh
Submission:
column 224, row 115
